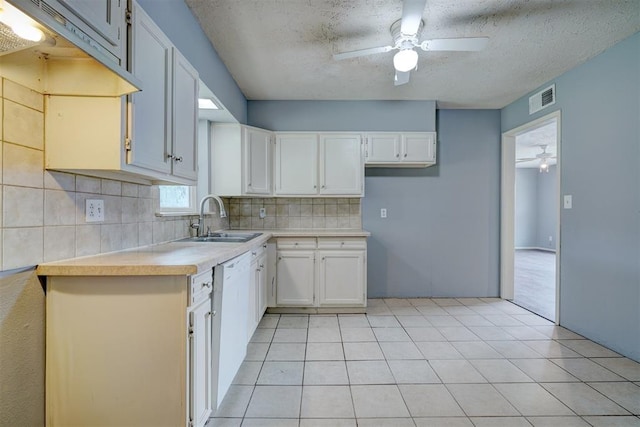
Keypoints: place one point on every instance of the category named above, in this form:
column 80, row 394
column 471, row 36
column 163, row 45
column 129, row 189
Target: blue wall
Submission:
column 343, row 115
column 536, row 208
column 600, row 155
column 441, row 234
column 176, row 20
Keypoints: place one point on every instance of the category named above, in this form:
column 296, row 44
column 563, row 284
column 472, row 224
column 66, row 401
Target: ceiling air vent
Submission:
column 542, row 99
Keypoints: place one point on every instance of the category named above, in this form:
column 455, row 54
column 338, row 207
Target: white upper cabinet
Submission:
column 241, row 160
column 185, row 118
column 106, row 17
column 164, row 114
column 256, row 146
column 382, row 147
column 341, row 164
column 296, row 164
column 418, row 148
column 151, row 113
column 406, row 149
column 310, row 164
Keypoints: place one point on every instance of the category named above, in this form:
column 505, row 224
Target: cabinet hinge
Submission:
column 127, row 144
column 127, row 17
column 190, row 331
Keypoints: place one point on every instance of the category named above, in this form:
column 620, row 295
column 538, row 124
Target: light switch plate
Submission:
column 383, row 213
column 568, row 201
column 94, row 210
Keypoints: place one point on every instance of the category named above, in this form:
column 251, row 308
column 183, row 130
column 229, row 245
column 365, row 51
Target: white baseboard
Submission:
column 535, row 248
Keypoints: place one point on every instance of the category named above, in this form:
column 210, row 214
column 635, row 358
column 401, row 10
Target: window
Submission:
column 175, row 199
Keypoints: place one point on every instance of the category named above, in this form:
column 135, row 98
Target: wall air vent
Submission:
column 542, row 99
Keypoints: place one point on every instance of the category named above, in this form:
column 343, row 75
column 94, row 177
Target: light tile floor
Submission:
column 428, row 362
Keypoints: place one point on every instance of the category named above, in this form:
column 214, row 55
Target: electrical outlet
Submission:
column 550, row 239
column 94, row 210
column 263, row 212
column 383, row 213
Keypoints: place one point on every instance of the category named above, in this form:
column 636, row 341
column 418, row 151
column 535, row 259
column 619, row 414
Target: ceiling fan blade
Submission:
column 401, row 77
column 526, row 159
column 412, row 11
column 461, row 44
column 362, row 52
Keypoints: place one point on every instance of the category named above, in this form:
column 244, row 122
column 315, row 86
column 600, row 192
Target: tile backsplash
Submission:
column 244, row 213
column 42, row 212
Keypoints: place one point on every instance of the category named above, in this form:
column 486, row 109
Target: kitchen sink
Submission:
column 223, row 238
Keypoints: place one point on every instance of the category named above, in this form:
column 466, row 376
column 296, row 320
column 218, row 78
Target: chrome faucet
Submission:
column 223, row 214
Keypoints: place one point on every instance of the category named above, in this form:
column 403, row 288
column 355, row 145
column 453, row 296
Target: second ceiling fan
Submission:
column 406, row 38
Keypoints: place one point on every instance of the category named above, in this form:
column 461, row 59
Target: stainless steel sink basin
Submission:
column 223, row 238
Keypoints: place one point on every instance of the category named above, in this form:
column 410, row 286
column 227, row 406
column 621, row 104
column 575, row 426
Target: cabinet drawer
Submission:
column 296, row 243
column 257, row 252
column 200, row 287
column 342, row 243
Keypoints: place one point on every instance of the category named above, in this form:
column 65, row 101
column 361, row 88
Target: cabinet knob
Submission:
column 405, row 154
column 178, row 159
column 170, row 156
column 324, row 186
column 398, row 155
column 315, row 186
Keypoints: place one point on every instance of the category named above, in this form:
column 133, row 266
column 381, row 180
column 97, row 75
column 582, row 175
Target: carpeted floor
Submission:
column 535, row 281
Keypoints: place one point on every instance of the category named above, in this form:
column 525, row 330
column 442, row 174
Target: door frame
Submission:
column 507, row 205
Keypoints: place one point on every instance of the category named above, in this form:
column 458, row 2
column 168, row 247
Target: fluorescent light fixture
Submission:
column 27, row 32
column 19, row 23
column 207, row 104
column 405, row 60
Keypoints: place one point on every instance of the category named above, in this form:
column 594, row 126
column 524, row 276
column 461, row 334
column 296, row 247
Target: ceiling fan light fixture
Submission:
column 544, row 166
column 405, row 60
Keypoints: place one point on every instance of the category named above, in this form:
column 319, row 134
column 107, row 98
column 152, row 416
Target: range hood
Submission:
column 71, row 58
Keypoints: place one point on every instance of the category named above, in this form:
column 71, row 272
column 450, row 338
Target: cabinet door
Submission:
column 257, row 161
column 341, row 277
column 252, row 301
column 200, row 363
column 295, row 278
column 185, row 117
column 418, row 147
column 106, row 17
column 383, row 148
column 341, row 164
column 262, row 284
column 296, row 164
column 150, row 131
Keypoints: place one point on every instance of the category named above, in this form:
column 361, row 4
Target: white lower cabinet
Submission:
column 341, row 277
column 257, row 301
column 200, row 363
column 322, row 272
column 141, row 350
column 295, row 278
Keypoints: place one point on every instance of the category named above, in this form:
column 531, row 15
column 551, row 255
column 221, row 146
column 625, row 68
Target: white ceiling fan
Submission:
column 543, row 157
column 406, row 37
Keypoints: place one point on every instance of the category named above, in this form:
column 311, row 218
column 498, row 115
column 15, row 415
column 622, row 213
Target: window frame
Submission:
column 191, row 210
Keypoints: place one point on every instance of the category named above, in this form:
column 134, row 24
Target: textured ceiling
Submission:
column 282, row 49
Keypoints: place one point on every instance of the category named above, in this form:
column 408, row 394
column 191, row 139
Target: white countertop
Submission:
column 175, row 258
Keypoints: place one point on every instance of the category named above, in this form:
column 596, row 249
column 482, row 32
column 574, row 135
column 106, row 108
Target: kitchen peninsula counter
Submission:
column 176, row 257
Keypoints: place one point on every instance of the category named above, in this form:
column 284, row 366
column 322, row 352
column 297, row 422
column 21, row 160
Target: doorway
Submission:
column 530, row 216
